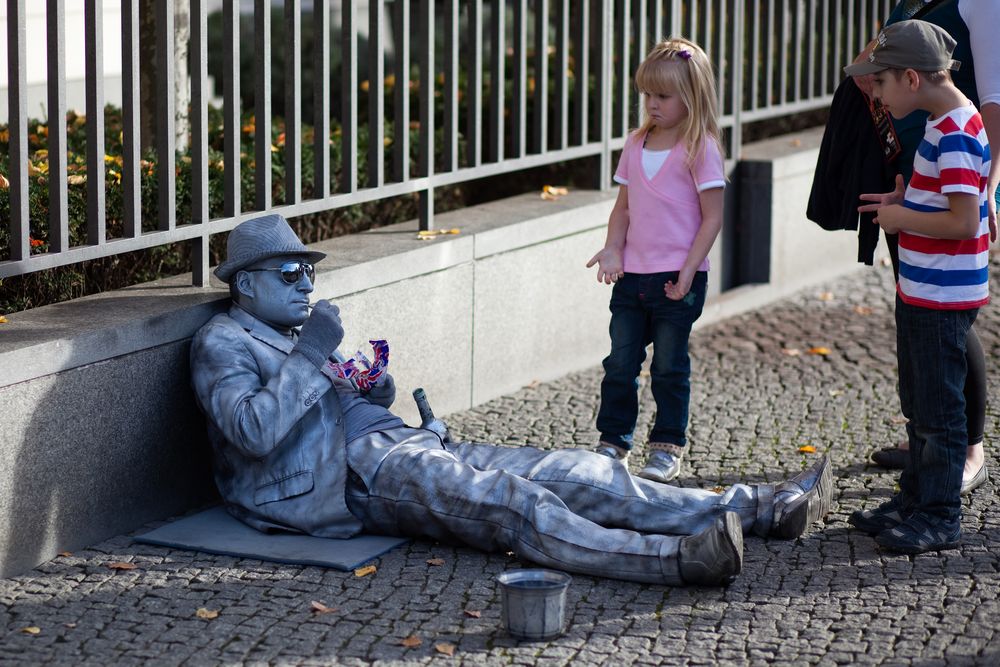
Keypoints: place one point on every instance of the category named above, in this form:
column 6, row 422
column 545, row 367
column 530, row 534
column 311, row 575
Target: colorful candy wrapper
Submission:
column 359, row 370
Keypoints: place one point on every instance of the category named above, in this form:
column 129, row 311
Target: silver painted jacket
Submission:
column 276, row 428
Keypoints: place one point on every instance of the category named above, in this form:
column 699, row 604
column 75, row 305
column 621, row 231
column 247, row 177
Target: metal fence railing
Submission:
column 565, row 66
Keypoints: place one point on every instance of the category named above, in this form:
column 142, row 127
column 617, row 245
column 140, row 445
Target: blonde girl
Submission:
column 667, row 216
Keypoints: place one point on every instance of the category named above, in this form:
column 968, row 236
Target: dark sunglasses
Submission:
column 291, row 272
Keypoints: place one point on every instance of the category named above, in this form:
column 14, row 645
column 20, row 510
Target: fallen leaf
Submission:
column 807, row 449
column 445, row 648
column 834, row 393
column 473, row 613
column 77, row 179
column 31, row 630
column 898, row 419
column 435, row 561
column 718, row 489
column 555, row 190
column 819, row 350
column 791, row 351
column 365, row 571
column 411, row 642
column 886, row 261
column 826, row 296
column 4, row 183
column 69, row 625
column 862, row 310
column 207, row 614
column 795, row 142
column 320, row 608
column 65, row 554
column 3, row 320
column 122, row 566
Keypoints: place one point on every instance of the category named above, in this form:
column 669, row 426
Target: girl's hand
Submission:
column 610, row 266
column 677, row 291
column 885, row 199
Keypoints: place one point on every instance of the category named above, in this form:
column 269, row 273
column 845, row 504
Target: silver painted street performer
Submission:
column 296, row 448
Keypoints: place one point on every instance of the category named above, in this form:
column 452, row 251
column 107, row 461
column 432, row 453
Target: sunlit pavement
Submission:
column 814, row 371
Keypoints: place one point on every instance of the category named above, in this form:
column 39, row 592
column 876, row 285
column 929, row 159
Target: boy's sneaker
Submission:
column 888, row 515
column 663, row 464
column 612, row 451
column 920, row 533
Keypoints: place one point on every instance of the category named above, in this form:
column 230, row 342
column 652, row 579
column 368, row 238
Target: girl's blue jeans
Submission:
column 930, row 349
column 642, row 314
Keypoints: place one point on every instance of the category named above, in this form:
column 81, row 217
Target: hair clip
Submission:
column 684, row 53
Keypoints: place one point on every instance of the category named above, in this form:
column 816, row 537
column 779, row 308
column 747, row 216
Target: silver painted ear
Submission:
column 244, row 283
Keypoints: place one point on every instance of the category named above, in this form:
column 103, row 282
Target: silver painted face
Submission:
column 271, row 297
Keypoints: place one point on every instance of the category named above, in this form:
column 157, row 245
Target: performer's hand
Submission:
column 321, row 333
column 610, row 266
column 383, row 392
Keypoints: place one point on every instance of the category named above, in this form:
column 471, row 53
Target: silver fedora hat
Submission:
column 261, row 238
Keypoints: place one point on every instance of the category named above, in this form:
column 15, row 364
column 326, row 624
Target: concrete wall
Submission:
column 100, row 432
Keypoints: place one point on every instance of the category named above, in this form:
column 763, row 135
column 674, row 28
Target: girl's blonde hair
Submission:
column 680, row 65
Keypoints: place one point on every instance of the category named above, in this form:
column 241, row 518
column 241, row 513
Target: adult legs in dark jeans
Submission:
column 975, row 405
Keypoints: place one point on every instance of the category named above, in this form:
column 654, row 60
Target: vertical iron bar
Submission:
column 348, row 99
column 293, row 101
column 199, row 140
column 849, row 45
column 94, row 29
column 658, row 32
column 540, row 125
column 519, row 77
column 474, row 76
column 232, row 130
column 166, row 177
column 605, row 45
column 811, row 51
column 321, row 90
column 401, row 103
column 739, row 38
column 426, row 112
column 676, row 29
column 781, row 52
column 17, row 126
column 562, row 78
column 769, row 56
column 450, row 92
column 58, row 195
column 498, row 49
column 425, row 163
column 623, row 64
column 825, row 45
column 131, row 132
column 720, row 55
column 262, row 104
column 582, row 79
column 376, row 95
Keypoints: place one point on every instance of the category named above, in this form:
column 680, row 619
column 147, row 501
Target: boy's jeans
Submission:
column 930, row 349
column 642, row 314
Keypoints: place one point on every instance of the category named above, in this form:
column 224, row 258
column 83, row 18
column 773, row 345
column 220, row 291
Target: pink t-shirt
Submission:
column 664, row 211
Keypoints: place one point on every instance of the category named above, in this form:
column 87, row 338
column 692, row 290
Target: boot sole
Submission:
column 809, row 507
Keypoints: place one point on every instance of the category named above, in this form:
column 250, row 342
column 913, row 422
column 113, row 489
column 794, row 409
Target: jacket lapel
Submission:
column 260, row 330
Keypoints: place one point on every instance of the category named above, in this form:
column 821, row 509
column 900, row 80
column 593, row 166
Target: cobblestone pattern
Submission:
column 828, row 598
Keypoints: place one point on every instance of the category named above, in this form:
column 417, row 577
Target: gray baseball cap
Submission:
column 912, row 44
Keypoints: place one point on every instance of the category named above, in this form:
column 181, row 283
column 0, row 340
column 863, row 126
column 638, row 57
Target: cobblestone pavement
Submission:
column 829, row 597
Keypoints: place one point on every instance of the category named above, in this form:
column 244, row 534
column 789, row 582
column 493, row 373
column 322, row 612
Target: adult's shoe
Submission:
column 798, row 502
column 714, row 556
column 976, row 481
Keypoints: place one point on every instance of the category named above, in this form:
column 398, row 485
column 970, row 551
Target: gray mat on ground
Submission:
column 215, row 531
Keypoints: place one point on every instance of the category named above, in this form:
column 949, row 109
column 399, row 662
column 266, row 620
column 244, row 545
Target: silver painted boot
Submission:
column 714, row 556
column 786, row 509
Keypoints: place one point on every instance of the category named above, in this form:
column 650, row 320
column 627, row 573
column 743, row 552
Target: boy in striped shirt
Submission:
column 944, row 235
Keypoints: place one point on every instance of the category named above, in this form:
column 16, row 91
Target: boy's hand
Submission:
column 992, row 208
column 890, row 218
column 885, row 199
column 677, row 291
column 610, row 266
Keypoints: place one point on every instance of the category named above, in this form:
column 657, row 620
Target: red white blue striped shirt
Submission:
column 947, row 274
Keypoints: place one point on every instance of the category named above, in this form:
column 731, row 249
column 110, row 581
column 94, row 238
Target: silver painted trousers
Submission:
column 569, row 509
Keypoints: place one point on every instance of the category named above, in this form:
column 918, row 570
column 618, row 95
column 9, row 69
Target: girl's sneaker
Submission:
column 612, row 451
column 664, row 462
